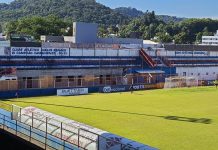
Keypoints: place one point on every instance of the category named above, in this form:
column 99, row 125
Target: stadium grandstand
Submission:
column 84, row 60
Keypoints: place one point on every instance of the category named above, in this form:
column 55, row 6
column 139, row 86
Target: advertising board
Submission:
column 70, row 92
column 38, row 51
column 192, row 53
column 123, row 88
column 25, row 51
column 111, row 89
column 55, row 51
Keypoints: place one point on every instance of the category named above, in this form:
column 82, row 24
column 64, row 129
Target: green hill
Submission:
column 77, row 10
column 134, row 13
column 128, row 11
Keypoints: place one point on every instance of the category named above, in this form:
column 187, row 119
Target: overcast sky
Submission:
column 181, row 8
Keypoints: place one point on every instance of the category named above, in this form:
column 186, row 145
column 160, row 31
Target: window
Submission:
column 71, row 78
column 80, row 80
column 199, row 74
column 58, row 78
column 184, row 73
column 192, row 74
column 207, row 73
column 108, row 77
column 101, row 79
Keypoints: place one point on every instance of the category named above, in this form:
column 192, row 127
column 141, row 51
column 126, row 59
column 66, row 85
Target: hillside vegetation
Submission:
column 55, row 17
column 77, row 10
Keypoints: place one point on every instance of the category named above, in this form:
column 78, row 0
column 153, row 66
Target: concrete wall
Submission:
column 190, row 47
column 202, row 73
column 52, row 38
column 68, row 72
column 70, row 39
column 85, row 32
column 4, row 43
column 120, row 41
column 181, row 53
column 2, row 51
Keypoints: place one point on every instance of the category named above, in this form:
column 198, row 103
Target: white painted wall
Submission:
column 133, row 52
column 101, row 52
column 4, row 43
column 202, row 73
column 2, row 51
column 123, row 53
column 76, row 52
column 88, row 52
column 151, row 53
column 112, row 52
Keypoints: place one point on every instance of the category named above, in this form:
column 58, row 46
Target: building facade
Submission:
column 210, row 40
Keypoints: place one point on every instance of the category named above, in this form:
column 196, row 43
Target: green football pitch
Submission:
column 168, row 119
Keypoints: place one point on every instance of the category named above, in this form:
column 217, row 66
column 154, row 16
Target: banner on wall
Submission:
column 55, row 51
column 192, row 53
column 111, row 89
column 123, row 88
column 25, row 51
column 70, row 92
column 38, row 51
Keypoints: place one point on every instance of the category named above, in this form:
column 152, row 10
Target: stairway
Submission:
column 147, row 58
column 165, row 61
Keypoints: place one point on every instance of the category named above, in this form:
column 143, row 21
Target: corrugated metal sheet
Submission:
column 82, row 46
column 88, row 52
column 123, row 52
column 131, row 46
column 151, row 53
column 170, row 53
column 100, row 52
column 112, row 52
column 4, row 43
column 55, row 45
column 2, row 51
column 134, row 53
column 55, row 52
column 104, row 46
column 76, row 52
column 25, row 44
column 213, row 53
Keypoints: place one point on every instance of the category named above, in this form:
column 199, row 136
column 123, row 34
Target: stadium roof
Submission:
column 149, row 42
column 149, row 71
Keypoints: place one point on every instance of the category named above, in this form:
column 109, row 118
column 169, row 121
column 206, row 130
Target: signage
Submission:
column 109, row 89
column 25, row 51
column 75, row 91
column 55, row 51
column 192, row 53
column 123, row 88
column 138, row 87
column 38, row 51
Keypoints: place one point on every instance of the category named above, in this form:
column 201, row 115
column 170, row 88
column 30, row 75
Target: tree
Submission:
column 36, row 26
column 199, row 37
column 163, row 37
column 181, row 38
column 0, row 28
column 216, row 83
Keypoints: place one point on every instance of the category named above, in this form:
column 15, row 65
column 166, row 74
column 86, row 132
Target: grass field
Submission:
column 143, row 115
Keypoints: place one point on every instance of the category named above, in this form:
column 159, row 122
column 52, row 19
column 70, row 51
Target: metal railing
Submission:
column 87, row 81
column 27, row 128
column 28, row 133
column 6, row 106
